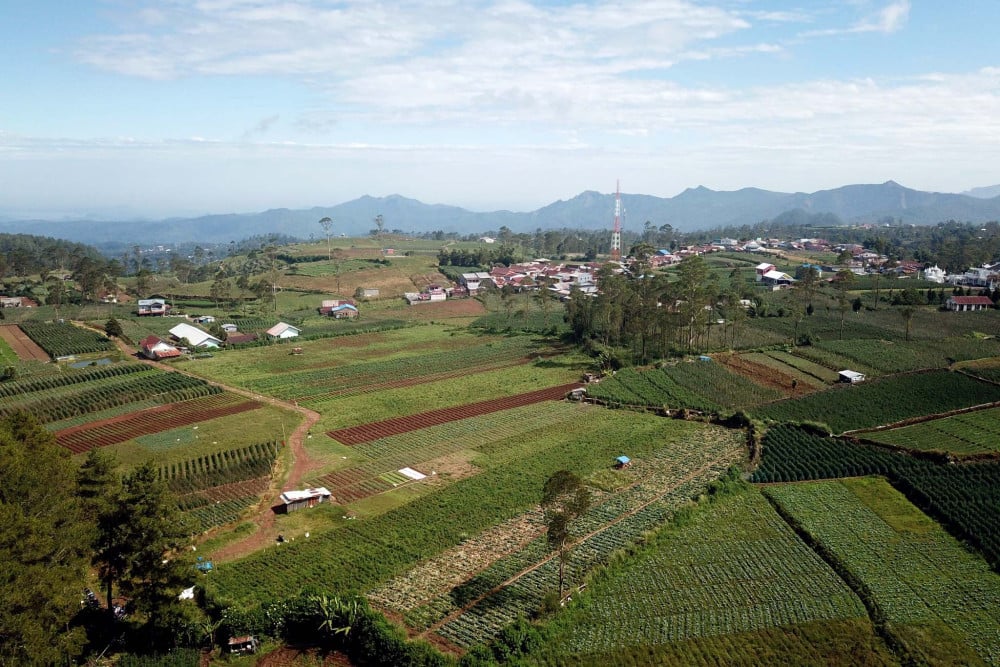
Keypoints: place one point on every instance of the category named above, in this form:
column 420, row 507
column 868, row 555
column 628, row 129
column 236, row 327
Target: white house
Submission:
column 283, row 330
column 777, row 279
column 851, row 376
column 152, row 307
column 295, row 500
column 194, row 336
column 934, row 274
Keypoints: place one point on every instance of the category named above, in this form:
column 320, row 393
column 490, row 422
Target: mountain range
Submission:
column 693, row 209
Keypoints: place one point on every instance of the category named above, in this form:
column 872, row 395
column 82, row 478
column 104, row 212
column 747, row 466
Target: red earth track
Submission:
column 82, row 438
column 25, row 348
column 355, row 435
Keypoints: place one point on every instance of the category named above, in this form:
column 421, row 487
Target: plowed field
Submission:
column 25, row 348
column 355, row 435
column 85, row 437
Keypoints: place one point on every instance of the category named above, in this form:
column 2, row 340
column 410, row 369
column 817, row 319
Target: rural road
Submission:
column 301, row 464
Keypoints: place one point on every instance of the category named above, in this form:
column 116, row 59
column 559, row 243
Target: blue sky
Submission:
column 181, row 107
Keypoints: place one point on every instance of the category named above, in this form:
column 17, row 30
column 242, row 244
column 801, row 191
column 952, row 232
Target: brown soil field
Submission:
column 355, row 435
column 25, row 348
column 765, row 376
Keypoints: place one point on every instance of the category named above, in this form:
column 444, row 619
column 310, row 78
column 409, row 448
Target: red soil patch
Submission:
column 111, row 431
column 355, row 435
column 25, row 348
column 286, row 656
column 765, row 375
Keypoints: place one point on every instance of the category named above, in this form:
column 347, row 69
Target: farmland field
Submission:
column 884, row 401
column 976, row 432
column 701, row 385
column 735, row 567
column 60, row 340
column 115, row 430
column 514, row 465
column 886, row 356
column 17, row 342
column 915, row 572
column 963, row 497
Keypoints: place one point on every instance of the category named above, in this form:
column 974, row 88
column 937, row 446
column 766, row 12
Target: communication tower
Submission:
column 616, row 235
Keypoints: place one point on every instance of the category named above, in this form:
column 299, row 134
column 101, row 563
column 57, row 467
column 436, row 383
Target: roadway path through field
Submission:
column 301, row 464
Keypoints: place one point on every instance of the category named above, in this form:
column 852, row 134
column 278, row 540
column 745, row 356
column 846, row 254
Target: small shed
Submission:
column 241, row 645
column 851, row 376
column 622, row 462
column 297, row 500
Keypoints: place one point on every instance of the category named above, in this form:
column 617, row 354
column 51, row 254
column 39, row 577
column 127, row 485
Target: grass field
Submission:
column 917, row 575
column 735, row 568
column 969, row 433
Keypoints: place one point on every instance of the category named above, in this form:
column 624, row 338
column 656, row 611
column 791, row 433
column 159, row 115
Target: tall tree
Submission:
column 327, row 223
column 564, row 500
column 140, row 546
column 43, row 546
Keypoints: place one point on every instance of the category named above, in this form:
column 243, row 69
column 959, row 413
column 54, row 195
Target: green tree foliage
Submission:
column 140, row 546
column 564, row 500
column 43, row 546
column 113, row 328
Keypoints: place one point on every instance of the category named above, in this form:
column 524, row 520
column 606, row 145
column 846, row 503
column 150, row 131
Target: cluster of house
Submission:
column 157, row 349
column 537, row 274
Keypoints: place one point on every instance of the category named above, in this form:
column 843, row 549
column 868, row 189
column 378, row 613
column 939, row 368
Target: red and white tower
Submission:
column 616, row 235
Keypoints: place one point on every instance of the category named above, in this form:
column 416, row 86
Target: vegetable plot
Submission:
column 736, row 567
column 62, row 340
column 914, row 572
column 964, row 497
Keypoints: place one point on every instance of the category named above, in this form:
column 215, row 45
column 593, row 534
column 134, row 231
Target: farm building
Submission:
column 777, row 279
column 145, row 307
column 229, row 328
column 476, row 281
column 153, row 347
column 297, row 500
column 623, row 462
column 368, row 292
column 963, row 303
column 763, row 268
column 238, row 338
column 851, row 376
column 343, row 311
column 328, row 305
column 283, row 330
column 194, row 336
column 934, row 274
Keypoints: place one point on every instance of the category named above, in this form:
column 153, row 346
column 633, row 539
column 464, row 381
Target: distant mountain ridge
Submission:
column 693, row 209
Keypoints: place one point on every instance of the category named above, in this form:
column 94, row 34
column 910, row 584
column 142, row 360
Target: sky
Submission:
column 119, row 108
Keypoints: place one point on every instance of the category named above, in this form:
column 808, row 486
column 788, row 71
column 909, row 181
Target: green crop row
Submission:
column 217, row 468
column 101, row 395
column 69, row 377
column 735, row 567
column 963, row 497
column 703, row 386
column 914, row 572
column 898, row 356
column 361, row 554
column 883, row 401
column 61, row 340
column 968, row 433
column 323, row 381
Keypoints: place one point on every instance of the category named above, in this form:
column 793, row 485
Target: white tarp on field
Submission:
column 411, row 473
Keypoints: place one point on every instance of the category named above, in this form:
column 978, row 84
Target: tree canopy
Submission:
column 43, row 546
